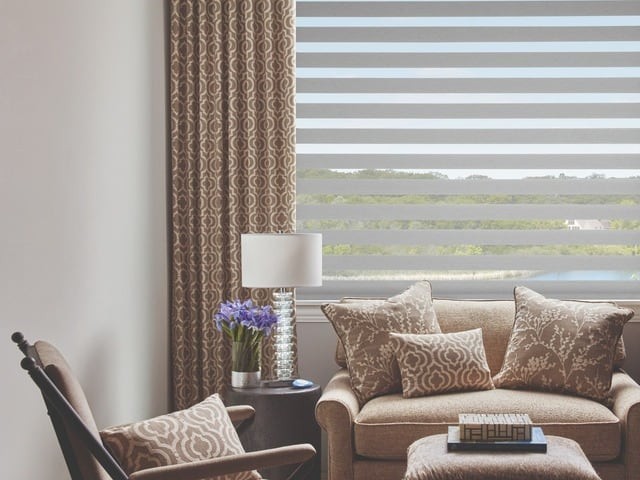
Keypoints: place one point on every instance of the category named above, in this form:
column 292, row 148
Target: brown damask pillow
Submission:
column 442, row 362
column 197, row 433
column 562, row 346
column 363, row 329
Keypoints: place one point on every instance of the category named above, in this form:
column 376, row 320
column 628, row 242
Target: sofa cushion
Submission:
column 364, row 327
column 562, row 346
column 441, row 362
column 386, row 426
column 495, row 317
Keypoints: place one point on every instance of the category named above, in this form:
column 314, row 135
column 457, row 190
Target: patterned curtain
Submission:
column 232, row 120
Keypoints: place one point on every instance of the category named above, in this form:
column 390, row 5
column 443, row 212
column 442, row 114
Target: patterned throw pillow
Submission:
column 562, row 346
column 620, row 355
column 363, row 329
column 442, row 362
column 197, row 433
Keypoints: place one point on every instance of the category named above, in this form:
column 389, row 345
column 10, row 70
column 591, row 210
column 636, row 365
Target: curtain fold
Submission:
column 232, row 142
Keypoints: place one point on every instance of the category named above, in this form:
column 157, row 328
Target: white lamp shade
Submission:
column 281, row 260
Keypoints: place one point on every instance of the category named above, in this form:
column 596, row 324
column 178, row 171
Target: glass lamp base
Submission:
column 283, row 307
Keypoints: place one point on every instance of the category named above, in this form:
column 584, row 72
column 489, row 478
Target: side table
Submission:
column 284, row 416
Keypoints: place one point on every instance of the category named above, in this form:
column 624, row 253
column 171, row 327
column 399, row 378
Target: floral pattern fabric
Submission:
column 364, row 328
column 562, row 346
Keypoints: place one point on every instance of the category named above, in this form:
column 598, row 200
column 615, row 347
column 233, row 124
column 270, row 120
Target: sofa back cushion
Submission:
column 494, row 317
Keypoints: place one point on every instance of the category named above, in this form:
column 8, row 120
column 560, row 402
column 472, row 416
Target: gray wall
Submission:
column 82, row 208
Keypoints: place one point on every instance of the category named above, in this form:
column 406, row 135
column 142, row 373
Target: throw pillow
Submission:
column 620, row 355
column 442, row 362
column 363, row 329
column 201, row 432
column 562, row 346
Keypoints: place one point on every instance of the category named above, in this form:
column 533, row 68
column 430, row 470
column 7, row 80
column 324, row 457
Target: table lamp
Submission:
column 282, row 261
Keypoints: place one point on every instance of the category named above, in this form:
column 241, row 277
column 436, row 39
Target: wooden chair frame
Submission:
column 63, row 414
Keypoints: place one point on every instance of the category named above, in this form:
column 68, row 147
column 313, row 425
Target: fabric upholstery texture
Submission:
column 495, row 317
column 364, row 329
column 232, row 169
column 387, row 425
column 441, row 362
column 200, row 432
column 62, row 376
column 362, row 439
column 336, row 415
column 562, row 346
column 428, row 459
column 626, row 406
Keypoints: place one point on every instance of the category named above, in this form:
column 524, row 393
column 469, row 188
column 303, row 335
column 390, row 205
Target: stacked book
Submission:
column 496, row 431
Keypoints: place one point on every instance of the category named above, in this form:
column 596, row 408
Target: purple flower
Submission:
column 236, row 317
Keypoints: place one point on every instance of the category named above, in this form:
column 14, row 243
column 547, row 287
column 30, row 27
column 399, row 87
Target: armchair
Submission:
column 86, row 456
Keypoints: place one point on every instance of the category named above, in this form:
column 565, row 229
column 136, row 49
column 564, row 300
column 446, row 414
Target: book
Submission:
column 492, row 427
column 538, row 443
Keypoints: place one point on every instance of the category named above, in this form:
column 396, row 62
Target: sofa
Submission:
column 370, row 440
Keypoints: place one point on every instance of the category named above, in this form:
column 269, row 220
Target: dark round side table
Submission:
column 284, row 416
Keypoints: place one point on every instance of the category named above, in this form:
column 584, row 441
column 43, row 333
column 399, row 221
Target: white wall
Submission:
column 82, row 212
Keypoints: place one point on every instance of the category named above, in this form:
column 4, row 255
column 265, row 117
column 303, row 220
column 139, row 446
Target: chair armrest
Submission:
column 241, row 416
column 336, row 412
column 272, row 457
column 626, row 406
column 240, row 413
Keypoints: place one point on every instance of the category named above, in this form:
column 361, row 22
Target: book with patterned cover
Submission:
column 538, row 443
column 491, row 427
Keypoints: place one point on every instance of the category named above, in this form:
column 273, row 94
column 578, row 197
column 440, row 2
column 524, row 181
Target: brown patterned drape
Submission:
column 232, row 120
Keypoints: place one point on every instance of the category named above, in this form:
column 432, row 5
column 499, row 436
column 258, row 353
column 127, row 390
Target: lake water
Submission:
column 586, row 275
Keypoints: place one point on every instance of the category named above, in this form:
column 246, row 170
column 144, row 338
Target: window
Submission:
column 477, row 144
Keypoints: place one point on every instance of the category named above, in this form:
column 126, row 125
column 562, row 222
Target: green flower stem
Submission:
column 246, row 349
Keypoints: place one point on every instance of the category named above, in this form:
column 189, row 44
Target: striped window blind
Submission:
column 476, row 144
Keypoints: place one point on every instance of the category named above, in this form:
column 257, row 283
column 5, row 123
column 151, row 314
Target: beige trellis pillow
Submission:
column 364, row 328
column 562, row 346
column 442, row 362
column 197, row 433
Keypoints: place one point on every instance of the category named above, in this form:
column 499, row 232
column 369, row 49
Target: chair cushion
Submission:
column 364, row 327
column 386, row 426
column 441, row 362
column 201, row 432
column 562, row 346
column 428, row 459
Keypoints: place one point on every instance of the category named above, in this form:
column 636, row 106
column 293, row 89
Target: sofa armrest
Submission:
column 336, row 412
column 626, row 406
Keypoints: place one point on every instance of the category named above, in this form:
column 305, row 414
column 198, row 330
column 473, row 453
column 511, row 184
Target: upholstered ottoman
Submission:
column 428, row 459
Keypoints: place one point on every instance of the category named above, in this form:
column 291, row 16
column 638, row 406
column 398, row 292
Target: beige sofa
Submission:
column 371, row 442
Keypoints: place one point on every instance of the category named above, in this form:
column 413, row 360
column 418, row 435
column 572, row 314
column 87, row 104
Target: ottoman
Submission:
column 428, row 459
